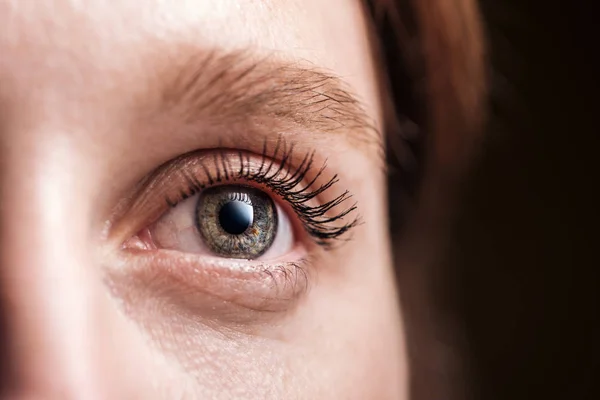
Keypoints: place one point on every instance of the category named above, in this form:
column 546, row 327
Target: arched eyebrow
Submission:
column 236, row 87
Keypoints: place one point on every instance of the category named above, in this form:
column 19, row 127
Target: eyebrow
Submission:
column 230, row 87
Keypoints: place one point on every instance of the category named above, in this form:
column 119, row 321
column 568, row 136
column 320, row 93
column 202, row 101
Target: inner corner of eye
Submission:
column 233, row 221
column 142, row 240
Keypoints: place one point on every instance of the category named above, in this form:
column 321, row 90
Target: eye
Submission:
column 231, row 225
column 230, row 221
column 221, row 203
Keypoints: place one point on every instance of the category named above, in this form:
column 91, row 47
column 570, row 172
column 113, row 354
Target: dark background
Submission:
column 523, row 261
column 510, row 308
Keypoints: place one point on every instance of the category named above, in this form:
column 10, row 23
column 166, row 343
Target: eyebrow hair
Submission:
column 230, row 87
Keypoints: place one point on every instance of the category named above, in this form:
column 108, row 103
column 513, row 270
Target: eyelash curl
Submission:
column 323, row 227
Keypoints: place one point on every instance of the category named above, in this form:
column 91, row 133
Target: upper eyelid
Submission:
column 268, row 169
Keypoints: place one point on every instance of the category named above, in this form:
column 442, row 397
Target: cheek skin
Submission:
column 73, row 141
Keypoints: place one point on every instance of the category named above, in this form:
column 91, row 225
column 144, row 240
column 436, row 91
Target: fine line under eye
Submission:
column 325, row 222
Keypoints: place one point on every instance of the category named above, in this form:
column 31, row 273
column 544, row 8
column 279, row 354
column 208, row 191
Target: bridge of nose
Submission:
column 61, row 334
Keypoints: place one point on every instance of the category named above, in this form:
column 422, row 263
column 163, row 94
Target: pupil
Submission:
column 236, row 216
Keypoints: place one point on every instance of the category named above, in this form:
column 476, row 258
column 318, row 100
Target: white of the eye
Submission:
column 284, row 238
column 176, row 230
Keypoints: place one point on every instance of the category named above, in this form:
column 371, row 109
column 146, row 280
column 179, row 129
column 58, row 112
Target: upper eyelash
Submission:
column 317, row 222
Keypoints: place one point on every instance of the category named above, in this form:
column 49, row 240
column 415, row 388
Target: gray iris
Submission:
column 236, row 221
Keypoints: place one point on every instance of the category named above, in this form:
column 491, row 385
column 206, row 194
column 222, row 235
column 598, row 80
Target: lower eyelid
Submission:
column 213, row 288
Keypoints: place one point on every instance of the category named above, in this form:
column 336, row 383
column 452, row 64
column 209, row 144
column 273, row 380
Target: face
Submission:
column 192, row 203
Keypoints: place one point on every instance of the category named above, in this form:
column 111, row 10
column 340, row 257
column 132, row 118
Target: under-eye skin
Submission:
column 236, row 221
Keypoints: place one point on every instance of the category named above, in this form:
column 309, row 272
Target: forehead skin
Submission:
column 59, row 46
column 74, row 76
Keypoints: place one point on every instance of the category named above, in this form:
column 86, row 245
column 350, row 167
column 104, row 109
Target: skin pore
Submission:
column 113, row 115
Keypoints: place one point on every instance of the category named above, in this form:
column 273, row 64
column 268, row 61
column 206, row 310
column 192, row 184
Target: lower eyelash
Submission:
column 292, row 275
column 323, row 222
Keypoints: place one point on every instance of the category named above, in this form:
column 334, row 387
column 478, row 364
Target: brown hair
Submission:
column 434, row 76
